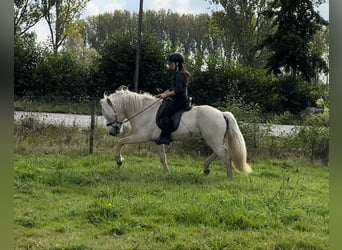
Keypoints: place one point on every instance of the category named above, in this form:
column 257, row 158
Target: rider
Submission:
column 178, row 94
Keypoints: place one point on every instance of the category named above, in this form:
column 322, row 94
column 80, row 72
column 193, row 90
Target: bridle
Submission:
column 127, row 119
column 115, row 116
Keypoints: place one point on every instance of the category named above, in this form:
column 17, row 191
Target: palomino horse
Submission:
column 219, row 129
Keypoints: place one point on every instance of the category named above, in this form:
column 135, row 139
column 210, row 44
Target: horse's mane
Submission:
column 131, row 99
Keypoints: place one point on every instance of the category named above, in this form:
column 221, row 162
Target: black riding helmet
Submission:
column 176, row 57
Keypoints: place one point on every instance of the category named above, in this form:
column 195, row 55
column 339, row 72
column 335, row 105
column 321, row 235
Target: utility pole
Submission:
column 137, row 56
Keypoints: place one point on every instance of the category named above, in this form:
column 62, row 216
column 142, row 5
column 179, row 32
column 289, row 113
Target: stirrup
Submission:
column 163, row 140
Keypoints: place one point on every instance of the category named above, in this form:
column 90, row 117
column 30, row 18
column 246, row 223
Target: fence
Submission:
column 263, row 141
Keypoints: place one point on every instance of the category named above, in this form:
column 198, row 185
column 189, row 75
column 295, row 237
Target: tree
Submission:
column 27, row 59
column 241, row 26
column 60, row 16
column 138, row 50
column 98, row 28
column 296, row 23
column 189, row 32
column 62, row 75
column 118, row 61
column 321, row 47
column 295, row 95
column 26, row 14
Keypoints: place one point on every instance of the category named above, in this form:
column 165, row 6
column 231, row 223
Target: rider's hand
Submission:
column 162, row 96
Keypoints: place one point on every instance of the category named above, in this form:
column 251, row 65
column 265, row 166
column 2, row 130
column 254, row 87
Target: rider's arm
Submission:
column 167, row 93
column 179, row 87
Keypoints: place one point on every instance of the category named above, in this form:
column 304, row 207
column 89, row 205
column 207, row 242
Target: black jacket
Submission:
column 179, row 86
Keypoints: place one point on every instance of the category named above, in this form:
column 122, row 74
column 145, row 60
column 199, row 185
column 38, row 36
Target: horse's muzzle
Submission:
column 114, row 131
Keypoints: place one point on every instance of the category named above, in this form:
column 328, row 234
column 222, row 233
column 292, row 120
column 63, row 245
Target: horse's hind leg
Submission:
column 229, row 166
column 207, row 163
column 227, row 161
column 223, row 153
column 163, row 158
column 225, row 157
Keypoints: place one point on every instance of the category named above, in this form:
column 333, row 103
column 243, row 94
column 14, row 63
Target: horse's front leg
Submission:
column 133, row 139
column 118, row 156
column 162, row 157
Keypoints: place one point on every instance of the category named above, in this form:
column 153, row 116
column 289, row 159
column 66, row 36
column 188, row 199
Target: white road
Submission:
column 68, row 120
column 83, row 121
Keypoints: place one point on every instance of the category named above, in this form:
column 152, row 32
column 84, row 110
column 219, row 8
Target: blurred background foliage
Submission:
column 246, row 52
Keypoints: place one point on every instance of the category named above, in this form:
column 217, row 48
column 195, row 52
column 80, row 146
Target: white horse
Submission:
column 219, row 129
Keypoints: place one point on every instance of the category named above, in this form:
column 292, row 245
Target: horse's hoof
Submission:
column 206, row 172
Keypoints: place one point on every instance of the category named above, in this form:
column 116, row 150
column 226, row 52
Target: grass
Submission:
column 67, row 199
column 57, row 105
column 71, row 201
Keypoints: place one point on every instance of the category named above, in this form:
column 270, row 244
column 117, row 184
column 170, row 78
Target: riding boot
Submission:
column 164, row 138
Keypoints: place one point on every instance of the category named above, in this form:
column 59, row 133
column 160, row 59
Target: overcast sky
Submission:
column 182, row 6
column 96, row 7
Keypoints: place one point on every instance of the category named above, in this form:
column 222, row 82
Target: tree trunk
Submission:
column 137, row 57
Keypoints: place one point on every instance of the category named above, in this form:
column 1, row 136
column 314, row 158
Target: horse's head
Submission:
column 111, row 111
column 123, row 106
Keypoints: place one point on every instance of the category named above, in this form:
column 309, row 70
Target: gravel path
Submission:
column 83, row 121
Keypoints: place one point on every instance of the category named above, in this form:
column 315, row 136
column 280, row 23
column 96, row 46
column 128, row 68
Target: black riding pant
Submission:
column 171, row 108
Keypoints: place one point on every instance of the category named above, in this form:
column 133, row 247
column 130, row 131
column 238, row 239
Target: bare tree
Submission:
column 26, row 14
column 60, row 16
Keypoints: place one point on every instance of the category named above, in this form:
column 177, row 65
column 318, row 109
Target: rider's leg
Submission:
column 165, row 136
column 170, row 109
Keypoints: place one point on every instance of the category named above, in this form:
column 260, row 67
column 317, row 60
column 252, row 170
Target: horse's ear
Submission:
column 123, row 87
column 109, row 102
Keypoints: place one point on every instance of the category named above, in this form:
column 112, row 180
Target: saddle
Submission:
column 175, row 118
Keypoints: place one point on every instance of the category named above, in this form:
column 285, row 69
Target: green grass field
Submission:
column 77, row 202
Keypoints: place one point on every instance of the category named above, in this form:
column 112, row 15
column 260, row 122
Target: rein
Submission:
column 130, row 118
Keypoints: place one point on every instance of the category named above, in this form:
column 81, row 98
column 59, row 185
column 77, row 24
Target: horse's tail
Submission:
column 236, row 145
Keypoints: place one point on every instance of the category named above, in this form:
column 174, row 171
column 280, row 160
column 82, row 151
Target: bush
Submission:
column 312, row 139
column 295, row 95
column 224, row 80
column 62, row 75
column 27, row 59
column 311, row 143
column 118, row 63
